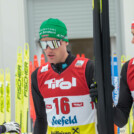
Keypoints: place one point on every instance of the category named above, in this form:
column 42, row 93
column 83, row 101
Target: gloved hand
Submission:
column 94, row 92
column 12, row 127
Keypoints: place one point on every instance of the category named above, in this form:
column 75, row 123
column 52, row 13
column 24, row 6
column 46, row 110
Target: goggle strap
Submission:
column 58, row 44
column 54, row 44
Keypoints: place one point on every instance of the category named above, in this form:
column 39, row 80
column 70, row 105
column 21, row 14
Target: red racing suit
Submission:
column 68, row 105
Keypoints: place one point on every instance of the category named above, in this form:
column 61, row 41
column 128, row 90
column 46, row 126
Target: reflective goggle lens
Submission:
column 52, row 44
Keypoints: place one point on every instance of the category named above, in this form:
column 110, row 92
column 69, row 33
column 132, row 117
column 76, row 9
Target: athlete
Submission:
column 10, row 127
column 60, row 87
column 126, row 95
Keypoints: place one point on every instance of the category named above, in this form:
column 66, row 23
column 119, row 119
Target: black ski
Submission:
column 102, row 66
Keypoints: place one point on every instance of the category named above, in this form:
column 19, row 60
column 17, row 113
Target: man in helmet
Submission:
column 60, row 87
column 10, row 127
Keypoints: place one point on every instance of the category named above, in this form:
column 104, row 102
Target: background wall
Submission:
column 127, row 17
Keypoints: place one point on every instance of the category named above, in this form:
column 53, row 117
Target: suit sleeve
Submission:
column 40, row 126
column 89, row 73
column 122, row 110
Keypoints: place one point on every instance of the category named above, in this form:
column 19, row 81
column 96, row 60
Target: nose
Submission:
column 48, row 48
column 133, row 39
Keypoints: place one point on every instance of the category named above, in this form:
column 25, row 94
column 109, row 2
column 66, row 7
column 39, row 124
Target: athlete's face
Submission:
column 132, row 35
column 56, row 55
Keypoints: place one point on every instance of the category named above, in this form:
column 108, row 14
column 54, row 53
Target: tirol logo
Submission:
column 64, row 121
column 53, row 83
column 58, row 132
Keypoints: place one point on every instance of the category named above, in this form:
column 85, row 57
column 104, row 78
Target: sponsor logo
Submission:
column 44, row 35
column 77, row 104
column 75, row 130
column 64, row 121
column 116, row 90
column 79, row 63
column 48, row 106
column 115, row 63
column 60, row 35
column 58, row 132
column 44, row 68
column 53, row 83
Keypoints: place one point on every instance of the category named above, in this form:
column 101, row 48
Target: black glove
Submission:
column 94, row 92
column 12, row 127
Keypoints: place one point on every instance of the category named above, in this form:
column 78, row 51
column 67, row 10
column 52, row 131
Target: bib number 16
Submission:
column 64, row 105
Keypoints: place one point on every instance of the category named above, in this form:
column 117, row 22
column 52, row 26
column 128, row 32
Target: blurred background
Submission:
column 20, row 21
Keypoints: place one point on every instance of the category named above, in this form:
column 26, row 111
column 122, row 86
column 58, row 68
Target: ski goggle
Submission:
column 52, row 44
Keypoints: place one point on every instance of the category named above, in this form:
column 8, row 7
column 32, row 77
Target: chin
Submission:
column 51, row 61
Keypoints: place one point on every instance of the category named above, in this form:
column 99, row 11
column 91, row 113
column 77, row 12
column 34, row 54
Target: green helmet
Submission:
column 53, row 28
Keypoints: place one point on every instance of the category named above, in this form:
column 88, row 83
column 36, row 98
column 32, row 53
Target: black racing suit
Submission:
column 41, row 119
column 122, row 110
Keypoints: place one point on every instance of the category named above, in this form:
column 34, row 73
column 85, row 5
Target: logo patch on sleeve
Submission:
column 79, row 63
column 44, row 68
